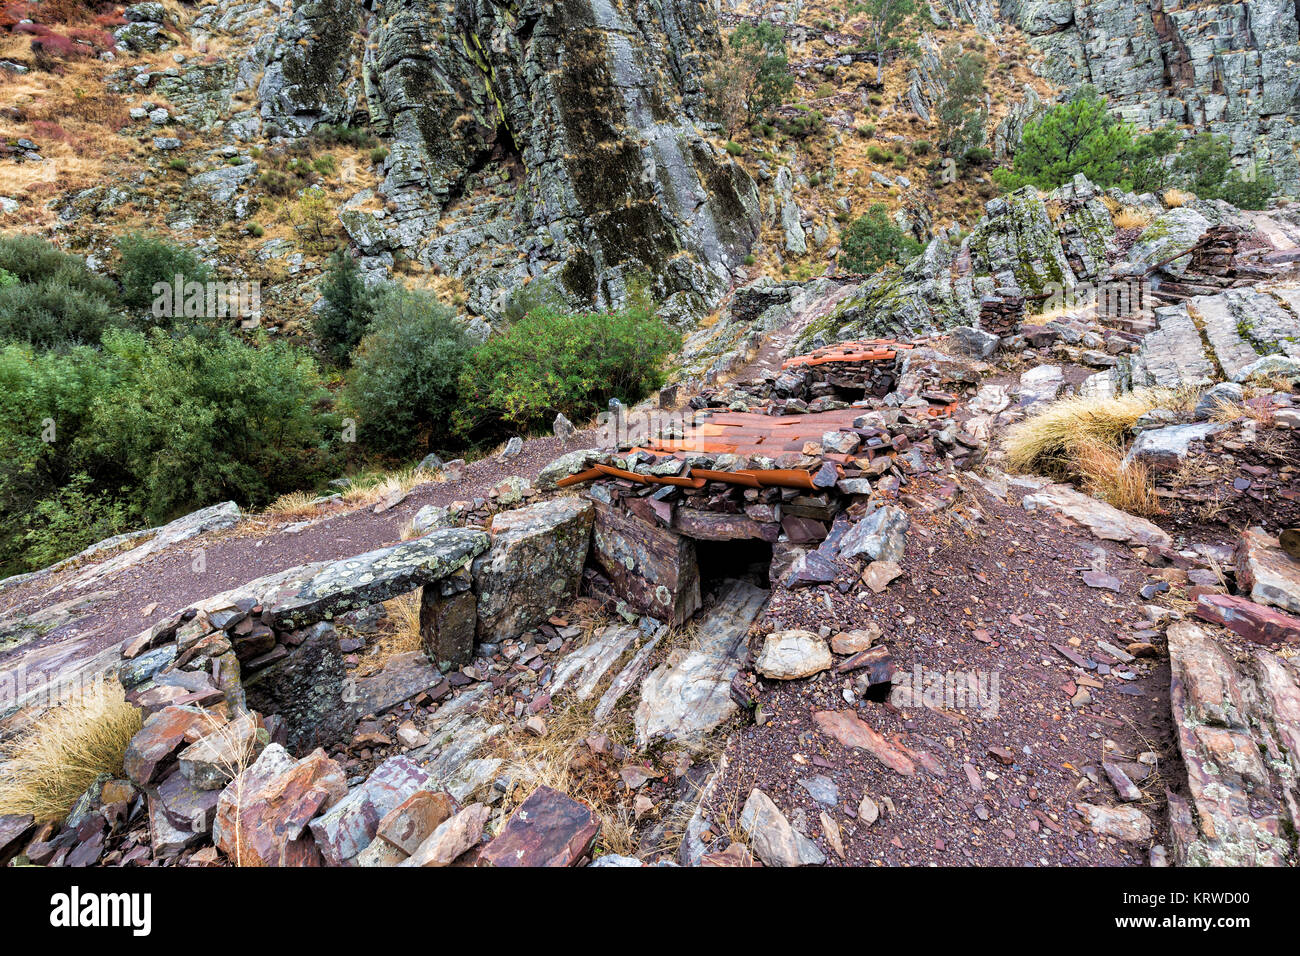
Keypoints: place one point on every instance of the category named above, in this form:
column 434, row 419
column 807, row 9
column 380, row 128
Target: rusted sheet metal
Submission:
column 652, row 568
column 579, row 478
column 871, row 350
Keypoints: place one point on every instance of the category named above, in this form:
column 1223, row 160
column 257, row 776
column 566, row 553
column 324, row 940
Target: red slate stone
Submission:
column 850, row 730
column 1264, row 625
column 263, row 813
column 152, row 750
column 547, row 829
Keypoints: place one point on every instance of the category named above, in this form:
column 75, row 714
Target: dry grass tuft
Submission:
column 1130, row 218
column 1104, row 476
column 401, row 633
column 372, row 489
column 1046, row 443
column 562, row 761
column 52, row 764
column 295, row 506
column 1174, row 198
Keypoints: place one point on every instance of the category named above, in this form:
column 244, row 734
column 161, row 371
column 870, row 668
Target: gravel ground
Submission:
column 992, row 601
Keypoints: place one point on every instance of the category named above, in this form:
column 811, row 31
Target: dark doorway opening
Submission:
column 745, row 559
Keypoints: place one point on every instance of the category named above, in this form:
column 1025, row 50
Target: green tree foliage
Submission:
column 762, row 47
column 403, row 383
column 960, row 111
column 1204, row 166
column 147, row 427
column 146, row 260
column 346, row 310
column 872, row 240
column 552, row 361
column 1082, row 136
column 884, row 26
column 51, row 299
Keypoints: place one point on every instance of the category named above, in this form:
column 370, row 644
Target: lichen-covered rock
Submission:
column 309, row 688
column 533, row 566
column 579, row 118
column 787, row 655
column 376, row 576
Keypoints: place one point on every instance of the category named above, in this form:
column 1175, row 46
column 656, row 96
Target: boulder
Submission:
column 452, row 838
column 775, row 841
column 788, row 655
column 881, row 535
column 547, row 829
column 352, row 823
column 262, row 815
column 533, row 567
column 1267, row 573
column 1163, row 449
column 151, row 751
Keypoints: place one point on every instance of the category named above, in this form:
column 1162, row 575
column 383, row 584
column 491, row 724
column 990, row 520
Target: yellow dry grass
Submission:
column 562, row 761
column 401, row 633
column 372, row 489
column 1174, row 198
column 51, row 765
column 1046, row 443
column 1129, row 218
column 1104, row 475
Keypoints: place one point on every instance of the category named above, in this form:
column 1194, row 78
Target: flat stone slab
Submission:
column 377, row 575
column 690, row 694
column 547, row 829
column 402, row 677
column 1163, row 449
column 1267, row 573
column 1102, row 520
column 588, row 665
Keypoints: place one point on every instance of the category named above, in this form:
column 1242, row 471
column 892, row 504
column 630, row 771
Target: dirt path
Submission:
column 234, row 557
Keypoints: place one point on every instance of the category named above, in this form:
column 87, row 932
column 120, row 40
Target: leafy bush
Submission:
column 146, row 260
column 51, row 298
column 346, row 310
column 403, row 383
column 160, row 425
column 71, row 520
column 193, row 421
column 552, row 361
column 873, row 240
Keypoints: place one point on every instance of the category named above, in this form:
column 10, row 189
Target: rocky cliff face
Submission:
column 554, row 143
column 550, row 146
column 1225, row 67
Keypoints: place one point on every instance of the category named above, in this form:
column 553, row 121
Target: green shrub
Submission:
column 148, row 427
column 196, row 420
column 71, row 520
column 346, row 308
column 873, row 240
column 734, row 148
column 147, row 260
column 378, row 154
column 403, row 383
column 54, row 312
column 552, row 361
column 45, row 404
